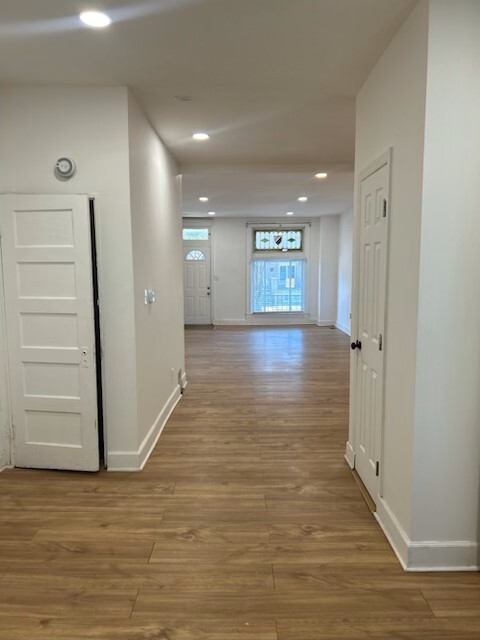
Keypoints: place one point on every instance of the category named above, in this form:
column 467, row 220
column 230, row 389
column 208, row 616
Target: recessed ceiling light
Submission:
column 321, row 176
column 211, row 213
column 200, row 136
column 289, row 213
column 203, row 199
column 302, row 199
column 95, row 19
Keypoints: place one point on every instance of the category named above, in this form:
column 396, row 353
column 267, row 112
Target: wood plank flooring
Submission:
column 245, row 524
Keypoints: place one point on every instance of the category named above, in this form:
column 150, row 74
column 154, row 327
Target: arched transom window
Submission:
column 195, row 255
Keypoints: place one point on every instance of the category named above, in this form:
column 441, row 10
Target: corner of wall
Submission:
column 446, row 470
column 391, row 113
column 328, row 269
column 425, row 555
column 156, row 246
column 135, row 460
column 91, row 122
column 343, row 327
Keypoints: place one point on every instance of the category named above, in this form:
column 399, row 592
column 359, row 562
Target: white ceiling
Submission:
column 273, row 81
column 265, row 191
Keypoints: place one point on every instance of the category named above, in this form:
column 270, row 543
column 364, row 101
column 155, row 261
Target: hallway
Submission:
column 245, row 523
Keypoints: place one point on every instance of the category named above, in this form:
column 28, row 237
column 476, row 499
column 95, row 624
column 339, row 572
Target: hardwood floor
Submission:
column 245, row 524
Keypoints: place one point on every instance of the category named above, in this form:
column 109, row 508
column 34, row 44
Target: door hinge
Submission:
column 380, row 342
column 384, row 208
column 377, row 468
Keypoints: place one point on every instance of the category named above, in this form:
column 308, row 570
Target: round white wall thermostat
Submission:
column 65, row 168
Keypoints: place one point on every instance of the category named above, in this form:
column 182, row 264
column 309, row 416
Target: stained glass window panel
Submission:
column 195, row 234
column 278, row 286
column 283, row 240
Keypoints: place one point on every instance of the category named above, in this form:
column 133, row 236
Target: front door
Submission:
column 197, row 285
column 47, row 270
column 371, row 322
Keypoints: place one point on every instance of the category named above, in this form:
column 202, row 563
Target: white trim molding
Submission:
column 443, row 555
column 325, row 323
column 183, row 382
column 277, row 318
column 342, row 327
column 136, row 460
column 271, row 320
column 350, row 455
column 425, row 555
column 393, row 530
column 233, row 323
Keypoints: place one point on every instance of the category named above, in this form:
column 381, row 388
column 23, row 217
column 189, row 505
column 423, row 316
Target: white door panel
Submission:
column 368, row 405
column 47, row 269
column 197, row 285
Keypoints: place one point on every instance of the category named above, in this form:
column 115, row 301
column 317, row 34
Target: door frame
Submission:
column 97, row 314
column 197, row 244
column 385, row 159
column 6, row 424
column 5, row 389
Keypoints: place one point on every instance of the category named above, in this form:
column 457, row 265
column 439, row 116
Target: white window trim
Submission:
column 277, row 256
column 197, row 223
column 304, row 286
column 192, row 223
column 202, row 259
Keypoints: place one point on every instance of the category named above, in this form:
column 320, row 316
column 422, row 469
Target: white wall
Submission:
column 229, row 237
column 447, row 407
column 123, row 163
column 423, row 99
column 345, row 249
column 328, row 270
column 313, row 279
column 40, row 124
column 157, row 260
column 391, row 113
column 229, row 264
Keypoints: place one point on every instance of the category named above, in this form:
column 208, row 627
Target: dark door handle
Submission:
column 356, row 345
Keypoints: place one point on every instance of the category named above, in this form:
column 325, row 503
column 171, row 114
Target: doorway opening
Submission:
column 98, row 341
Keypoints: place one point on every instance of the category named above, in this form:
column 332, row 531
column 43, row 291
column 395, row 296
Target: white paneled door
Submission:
column 197, row 285
column 369, row 344
column 47, row 271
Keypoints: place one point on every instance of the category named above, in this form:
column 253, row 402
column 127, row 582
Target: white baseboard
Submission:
column 269, row 321
column 394, row 532
column 350, row 455
column 136, row 460
column 5, row 467
column 234, row 323
column 278, row 319
column 325, row 323
column 183, row 382
column 425, row 555
column 439, row 555
column 343, row 327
